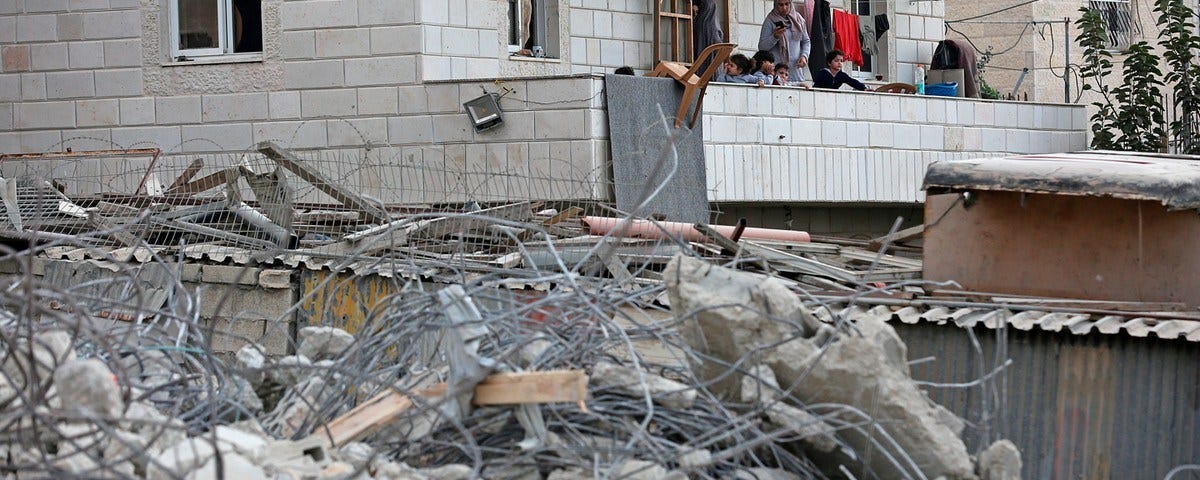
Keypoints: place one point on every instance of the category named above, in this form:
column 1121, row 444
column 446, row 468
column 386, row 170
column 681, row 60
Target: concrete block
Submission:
column 889, row 108
column 44, row 6
column 309, row 134
column 1078, row 118
column 410, row 130
column 452, row 128
column 166, row 138
column 972, row 139
column 119, row 83
column 316, row 74
column 433, row 12
column 44, row 115
column 83, row 5
column 966, row 112
column 357, row 132
column 283, row 105
column 612, row 53
column 953, row 139
column 933, row 137
column 329, row 103
column 380, row 71
column 31, row 142
column 10, row 88
column 33, row 86
column 985, row 114
column 1005, row 114
column 318, row 14
column 882, row 135
column 413, row 99
column 936, row 111
column 396, row 40
column 777, row 130
column 343, row 43
column 833, row 132
column 759, row 100
column 177, row 110
column 48, row 56
column 88, row 139
column 1026, row 115
column 8, row 29
column 914, row 109
column 386, row 12
column 234, row 107
column 483, row 68
column 37, row 28
column 229, row 274
column 560, row 124
column 97, row 113
column 806, row 131
column 867, row 107
column 298, row 45
column 137, row 111
column 1017, row 140
column 377, row 101
column 232, row 137
column 112, row 24
column 581, row 23
column 461, row 42
column 6, row 116
column 952, row 112
column 70, row 27
column 275, row 279
column 16, row 58
column 602, row 24
column 431, row 37
column 83, row 55
column 122, row 53
column 443, row 98
column 994, row 140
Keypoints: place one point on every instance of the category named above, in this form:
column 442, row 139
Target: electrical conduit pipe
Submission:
column 631, row 228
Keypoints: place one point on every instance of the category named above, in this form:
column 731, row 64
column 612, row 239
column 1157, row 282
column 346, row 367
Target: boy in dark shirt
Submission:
column 832, row 76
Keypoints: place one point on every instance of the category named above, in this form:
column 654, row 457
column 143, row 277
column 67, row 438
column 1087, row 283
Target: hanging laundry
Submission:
column 881, row 25
column 845, row 31
column 806, row 11
column 822, row 36
column 866, row 26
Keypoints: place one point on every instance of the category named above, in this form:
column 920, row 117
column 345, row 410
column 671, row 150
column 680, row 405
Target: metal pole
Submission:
column 1066, row 60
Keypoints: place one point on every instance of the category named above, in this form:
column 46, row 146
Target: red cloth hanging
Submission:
column 845, row 36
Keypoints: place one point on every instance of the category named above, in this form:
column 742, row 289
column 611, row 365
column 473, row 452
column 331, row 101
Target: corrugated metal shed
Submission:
column 1077, row 403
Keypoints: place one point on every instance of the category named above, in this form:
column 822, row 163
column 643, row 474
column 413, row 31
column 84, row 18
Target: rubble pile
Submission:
column 737, row 379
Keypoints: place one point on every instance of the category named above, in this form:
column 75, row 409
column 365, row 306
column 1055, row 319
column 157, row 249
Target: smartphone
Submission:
column 779, row 24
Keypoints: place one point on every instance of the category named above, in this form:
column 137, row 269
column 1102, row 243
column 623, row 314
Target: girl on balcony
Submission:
column 832, row 75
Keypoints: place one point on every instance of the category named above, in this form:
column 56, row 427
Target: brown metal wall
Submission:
column 1086, row 407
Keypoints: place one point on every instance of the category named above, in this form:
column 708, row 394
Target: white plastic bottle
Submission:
column 920, row 79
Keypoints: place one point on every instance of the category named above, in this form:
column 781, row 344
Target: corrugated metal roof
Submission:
column 1075, row 323
column 1173, row 180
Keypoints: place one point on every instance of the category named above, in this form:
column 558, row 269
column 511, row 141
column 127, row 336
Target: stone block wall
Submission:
column 787, row 144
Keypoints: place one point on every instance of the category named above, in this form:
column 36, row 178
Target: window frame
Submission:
column 1119, row 40
column 544, row 18
column 866, row 72
column 225, row 41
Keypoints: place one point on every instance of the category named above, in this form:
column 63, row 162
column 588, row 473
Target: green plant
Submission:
column 1097, row 64
column 1140, row 118
column 1180, row 44
column 986, row 91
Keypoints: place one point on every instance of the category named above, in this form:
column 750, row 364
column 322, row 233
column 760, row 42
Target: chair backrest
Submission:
column 711, row 59
column 897, row 87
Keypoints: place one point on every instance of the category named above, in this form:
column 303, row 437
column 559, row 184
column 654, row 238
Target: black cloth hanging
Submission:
column 881, row 25
column 822, row 37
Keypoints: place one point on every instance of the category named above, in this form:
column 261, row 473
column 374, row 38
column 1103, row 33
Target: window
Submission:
column 1118, row 18
column 872, row 49
column 215, row 27
column 533, row 28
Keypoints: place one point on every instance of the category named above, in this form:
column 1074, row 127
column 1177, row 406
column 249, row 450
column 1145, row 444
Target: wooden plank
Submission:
column 728, row 247
column 563, row 215
column 298, row 166
column 461, row 222
column 890, row 260
column 500, row 389
column 189, row 172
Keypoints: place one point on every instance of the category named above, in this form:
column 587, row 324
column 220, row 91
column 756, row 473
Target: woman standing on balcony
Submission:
column 705, row 29
column 785, row 35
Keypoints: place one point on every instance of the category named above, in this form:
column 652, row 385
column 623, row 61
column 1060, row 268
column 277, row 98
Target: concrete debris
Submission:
column 639, row 384
column 730, row 314
column 640, row 470
column 322, row 343
column 1001, row 461
column 765, row 474
column 89, row 388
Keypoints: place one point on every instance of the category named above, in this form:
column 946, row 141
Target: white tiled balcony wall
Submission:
column 788, row 144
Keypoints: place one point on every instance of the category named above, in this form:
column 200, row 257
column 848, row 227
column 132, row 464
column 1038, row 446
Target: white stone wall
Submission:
column 787, row 144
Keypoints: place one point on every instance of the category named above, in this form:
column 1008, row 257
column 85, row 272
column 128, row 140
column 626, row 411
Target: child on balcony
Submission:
column 832, row 76
column 764, row 67
column 737, row 70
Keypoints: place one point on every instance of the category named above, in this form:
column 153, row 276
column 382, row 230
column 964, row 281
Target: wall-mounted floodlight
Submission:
column 484, row 112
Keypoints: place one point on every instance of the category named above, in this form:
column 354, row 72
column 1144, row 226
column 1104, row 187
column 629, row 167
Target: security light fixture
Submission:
column 484, row 111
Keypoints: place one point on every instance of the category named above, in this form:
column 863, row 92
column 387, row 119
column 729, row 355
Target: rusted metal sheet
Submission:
column 341, row 300
column 1096, row 407
column 1063, row 246
column 1172, row 180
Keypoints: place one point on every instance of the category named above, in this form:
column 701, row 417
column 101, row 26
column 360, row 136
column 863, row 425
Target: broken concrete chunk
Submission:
column 128, row 451
column 448, row 472
column 695, row 458
column 765, row 474
column 640, row 470
column 320, row 343
column 570, row 474
column 250, row 363
column 873, row 326
column 628, row 381
column 814, row 432
column 357, row 454
column 39, row 357
column 1001, row 461
column 289, row 370
column 759, row 385
column 232, row 466
column 89, row 388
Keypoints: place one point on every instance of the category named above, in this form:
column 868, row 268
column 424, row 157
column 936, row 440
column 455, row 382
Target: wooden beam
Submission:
column 298, row 166
column 500, row 389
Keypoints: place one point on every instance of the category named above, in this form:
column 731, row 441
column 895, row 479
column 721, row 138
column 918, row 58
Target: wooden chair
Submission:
column 897, row 88
column 694, row 81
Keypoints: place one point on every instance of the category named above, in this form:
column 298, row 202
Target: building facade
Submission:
column 382, row 82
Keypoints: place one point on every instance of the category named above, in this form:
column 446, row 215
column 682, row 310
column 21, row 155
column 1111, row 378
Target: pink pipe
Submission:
column 621, row 227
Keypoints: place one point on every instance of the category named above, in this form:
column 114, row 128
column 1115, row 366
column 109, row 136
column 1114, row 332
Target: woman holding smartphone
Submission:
column 785, row 35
